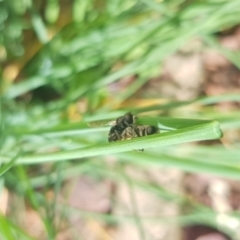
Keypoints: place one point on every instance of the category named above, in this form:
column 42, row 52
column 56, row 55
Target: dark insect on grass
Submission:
column 125, row 128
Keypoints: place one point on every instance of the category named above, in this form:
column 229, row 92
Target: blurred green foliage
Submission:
column 66, row 56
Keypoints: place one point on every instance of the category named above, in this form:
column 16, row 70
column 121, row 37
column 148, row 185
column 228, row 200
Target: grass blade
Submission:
column 204, row 131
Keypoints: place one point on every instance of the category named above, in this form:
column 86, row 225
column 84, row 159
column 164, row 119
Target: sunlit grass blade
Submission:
column 4, row 168
column 231, row 55
column 216, row 154
column 24, row 86
column 171, row 123
column 183, row 163
column 205, row 131
column 10, row 231
column 228, row 120
column 198, row 101
column 39, row 26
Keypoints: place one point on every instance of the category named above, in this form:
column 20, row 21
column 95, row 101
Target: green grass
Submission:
column 193, row 130
column 93, row 46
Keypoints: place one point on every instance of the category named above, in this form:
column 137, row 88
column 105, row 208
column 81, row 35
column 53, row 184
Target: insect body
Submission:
column 145, row 130
column 122, row 123
column 126, row 128
column 138, row 131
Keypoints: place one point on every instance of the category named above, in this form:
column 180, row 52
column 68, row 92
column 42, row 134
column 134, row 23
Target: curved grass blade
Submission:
column 204, row 131
column 183, row 163
column 8, row 165
column 201, row 101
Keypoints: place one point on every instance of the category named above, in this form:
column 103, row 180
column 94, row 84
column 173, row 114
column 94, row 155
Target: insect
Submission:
column 126, row 128
column 138, row 131
column 121, row 124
